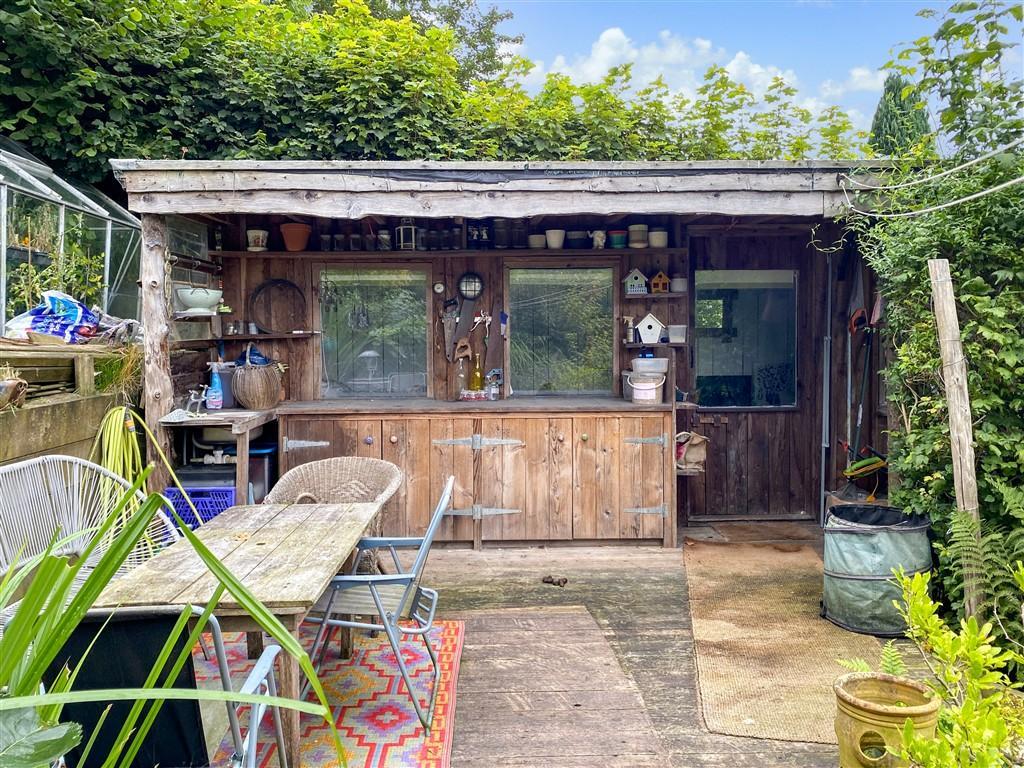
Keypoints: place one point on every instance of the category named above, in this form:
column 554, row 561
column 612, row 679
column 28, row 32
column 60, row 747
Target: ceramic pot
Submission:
column 538, row 241
column 871, row 709
column 597, row 237
column 637, row 235
column 555, row 238
column 296, row 236
column 677, row 284
column 576, row 239
column 617, row 238
column 658, row 238
column 257, row 239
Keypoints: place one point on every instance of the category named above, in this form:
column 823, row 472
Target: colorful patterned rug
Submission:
column 373, row 712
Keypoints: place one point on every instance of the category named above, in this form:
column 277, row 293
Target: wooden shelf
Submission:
column 687, row 472
column 654, row 296
column 193, row 343
column 266, row 336
column 182, row 317
column 546, row 252
column 662, row 344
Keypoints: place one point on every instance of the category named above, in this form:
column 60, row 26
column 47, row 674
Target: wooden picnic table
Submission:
column 285, row 555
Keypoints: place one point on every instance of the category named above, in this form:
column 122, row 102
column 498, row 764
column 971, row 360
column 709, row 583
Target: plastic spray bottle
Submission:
column 215, row 394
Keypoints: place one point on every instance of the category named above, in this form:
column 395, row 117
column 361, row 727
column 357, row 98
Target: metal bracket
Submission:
column 662, row 510
column 290, row 444
column 478, row 512
column 661, row 440
column 477, row 442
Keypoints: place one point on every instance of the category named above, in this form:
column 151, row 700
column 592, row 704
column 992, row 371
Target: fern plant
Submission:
column 989, row 557
column 890, row 662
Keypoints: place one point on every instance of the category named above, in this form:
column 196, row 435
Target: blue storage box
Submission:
column 209, row 502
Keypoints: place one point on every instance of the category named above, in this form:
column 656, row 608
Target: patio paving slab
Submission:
column 638, row 598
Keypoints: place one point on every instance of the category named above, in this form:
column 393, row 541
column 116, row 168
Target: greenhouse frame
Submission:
column 56, row 234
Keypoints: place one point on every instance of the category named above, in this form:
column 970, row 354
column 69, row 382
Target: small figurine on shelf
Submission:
column 660, row 283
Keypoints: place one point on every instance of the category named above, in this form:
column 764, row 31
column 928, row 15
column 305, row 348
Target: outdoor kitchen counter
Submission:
column 400, row 405
column 527, row 469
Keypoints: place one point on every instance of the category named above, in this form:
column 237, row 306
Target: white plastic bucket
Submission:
column 647, row 388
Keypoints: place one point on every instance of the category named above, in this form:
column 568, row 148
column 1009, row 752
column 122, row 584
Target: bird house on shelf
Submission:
column 659, row 283
column 650, row 329
column 636, row 283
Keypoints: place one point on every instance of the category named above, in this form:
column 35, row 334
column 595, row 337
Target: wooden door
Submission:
column 763, row 462
column 445, row 460
column 304, row 440
column 595, row 485
column 643, row 486
column 405, row 442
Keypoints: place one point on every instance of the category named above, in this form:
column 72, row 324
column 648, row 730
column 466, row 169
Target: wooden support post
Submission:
column 157, row 391
column 958, row 403
column 85, row 375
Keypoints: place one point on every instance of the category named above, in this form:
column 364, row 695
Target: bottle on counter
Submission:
column 215, row 393
column 476, row 378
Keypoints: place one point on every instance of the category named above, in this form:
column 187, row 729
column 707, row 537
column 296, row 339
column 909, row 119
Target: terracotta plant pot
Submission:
column 12, row 393
column 871, row 710
column 296, row 236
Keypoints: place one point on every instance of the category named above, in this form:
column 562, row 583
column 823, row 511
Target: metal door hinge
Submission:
column 477, row 442
column 478, row 512
column 662, row 510
column 291, row 445
column 661, row 440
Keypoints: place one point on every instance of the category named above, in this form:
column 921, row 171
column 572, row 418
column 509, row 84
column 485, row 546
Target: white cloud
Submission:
column 681, row 62
column 859, row 79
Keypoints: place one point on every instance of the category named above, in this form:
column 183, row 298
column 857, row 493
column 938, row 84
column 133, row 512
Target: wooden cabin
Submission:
column 414, row 276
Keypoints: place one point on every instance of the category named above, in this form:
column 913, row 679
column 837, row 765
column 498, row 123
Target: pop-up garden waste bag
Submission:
column 863, row 544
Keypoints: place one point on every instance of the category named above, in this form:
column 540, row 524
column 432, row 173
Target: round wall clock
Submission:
column 471, row 286
column 439, row 288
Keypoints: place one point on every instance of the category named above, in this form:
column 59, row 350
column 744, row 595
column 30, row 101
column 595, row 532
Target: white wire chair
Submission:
column 67, row 498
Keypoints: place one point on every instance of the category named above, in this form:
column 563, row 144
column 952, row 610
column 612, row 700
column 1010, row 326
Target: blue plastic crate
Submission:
column 209, row 502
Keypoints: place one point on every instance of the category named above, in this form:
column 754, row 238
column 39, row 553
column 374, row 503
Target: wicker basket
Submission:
column 256, row 387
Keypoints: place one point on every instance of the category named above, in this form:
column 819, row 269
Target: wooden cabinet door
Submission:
column 595, row 485
column 446, row 460
column 406, row 444
column 305, row 440
column 358, row 437
column 643, row 486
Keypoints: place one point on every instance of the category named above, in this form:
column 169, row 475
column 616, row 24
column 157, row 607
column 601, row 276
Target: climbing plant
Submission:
column 960, row 72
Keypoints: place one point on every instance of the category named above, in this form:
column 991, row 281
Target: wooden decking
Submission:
column 537, row 687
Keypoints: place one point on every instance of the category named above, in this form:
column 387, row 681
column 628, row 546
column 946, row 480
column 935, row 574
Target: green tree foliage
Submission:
column 899, row 122
column 85, row 80
column 982, row 238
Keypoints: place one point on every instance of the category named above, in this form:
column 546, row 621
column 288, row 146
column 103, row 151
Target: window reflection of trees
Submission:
column 374, row 325
column 562, row 330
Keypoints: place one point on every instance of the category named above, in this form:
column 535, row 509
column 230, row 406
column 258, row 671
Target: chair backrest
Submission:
column 443, row 505
column 341, row 480
column 40, row 496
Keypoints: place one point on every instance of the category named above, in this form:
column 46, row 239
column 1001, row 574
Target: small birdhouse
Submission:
column 659, row 283
column 650, row 329
column 636, row 283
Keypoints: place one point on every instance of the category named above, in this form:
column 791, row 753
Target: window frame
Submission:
column 551, row 262
column 418, row 265
column 711, row 333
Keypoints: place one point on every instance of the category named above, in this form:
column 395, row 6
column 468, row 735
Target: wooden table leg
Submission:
column 254, row 644
column 289, row 686
column 242, row 469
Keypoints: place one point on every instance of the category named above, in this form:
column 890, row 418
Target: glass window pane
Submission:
column 562, row 329
column 746, row 337
column 374, row 325
column 33, row 227
column 123, row 295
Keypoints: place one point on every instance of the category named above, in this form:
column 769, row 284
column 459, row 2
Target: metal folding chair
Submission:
column 402, row 605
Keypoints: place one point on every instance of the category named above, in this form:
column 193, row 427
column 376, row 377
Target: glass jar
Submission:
column 501, row 234
column 519, row 233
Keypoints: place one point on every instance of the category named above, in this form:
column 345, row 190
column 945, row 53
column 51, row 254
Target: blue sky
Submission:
column 831, row 50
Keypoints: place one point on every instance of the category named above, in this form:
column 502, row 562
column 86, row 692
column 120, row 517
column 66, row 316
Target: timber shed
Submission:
column 464, row 318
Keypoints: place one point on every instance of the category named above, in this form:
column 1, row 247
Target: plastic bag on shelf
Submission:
column 59, row 315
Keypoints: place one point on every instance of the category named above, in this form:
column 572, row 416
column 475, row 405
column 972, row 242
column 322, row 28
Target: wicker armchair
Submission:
column 346, row 479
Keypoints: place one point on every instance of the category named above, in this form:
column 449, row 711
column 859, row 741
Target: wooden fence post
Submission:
column 958, row 404
column 157, row 389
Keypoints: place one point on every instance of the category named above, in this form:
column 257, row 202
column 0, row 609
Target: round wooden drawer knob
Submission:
column 393, row 439
column 561, row 438
column 584, row 437
column 368, row 440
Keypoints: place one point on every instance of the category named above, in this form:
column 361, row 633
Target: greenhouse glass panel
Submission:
column 123, row 291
